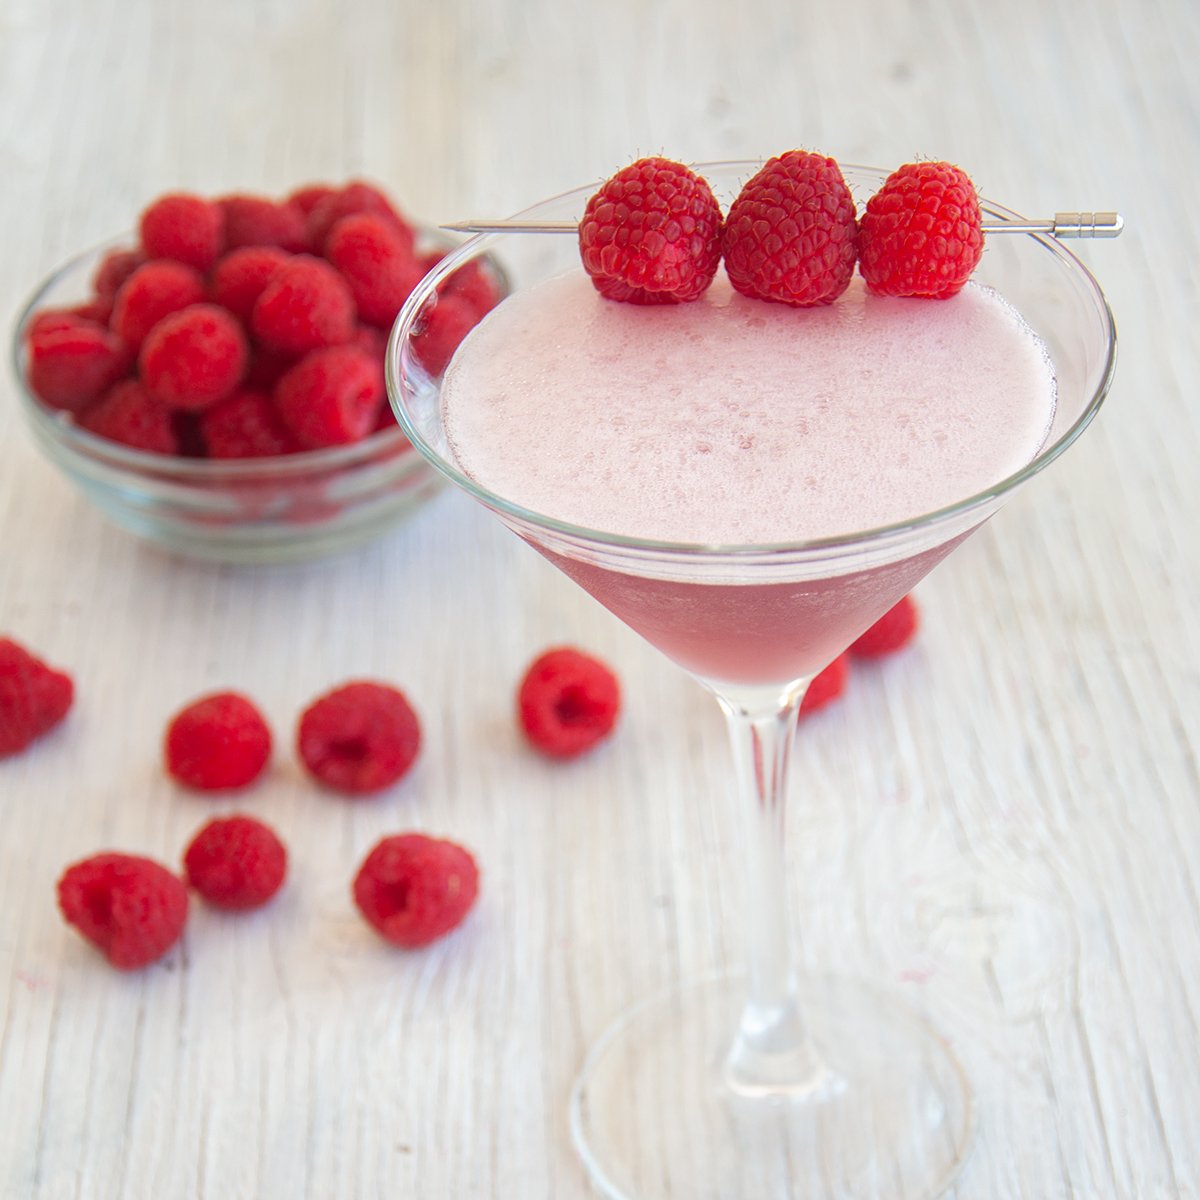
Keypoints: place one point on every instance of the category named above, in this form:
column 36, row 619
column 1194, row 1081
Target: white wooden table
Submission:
column 1002, row 824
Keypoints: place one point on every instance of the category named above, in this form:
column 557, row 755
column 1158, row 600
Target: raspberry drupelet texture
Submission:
column 450, row 320
column 152, row 292
column 305, row 305
column 194, row 358
column 185, row 228
column 651, row 234
column 790, row 235
column 218, row 742
column 71, row 364
column 127, row 414
column 377, row 264
column 236, row 863
column 115, row 267
column 361, row 737
column 413, row 889
column 356, row 197
column 827, row 685
column 331, row 397
column 922, row 233
column 893, row 631
column 131, row 909
column 258, row 221
column 246, row 425
column 34, row 697
column 239, row 278
column 567, row 702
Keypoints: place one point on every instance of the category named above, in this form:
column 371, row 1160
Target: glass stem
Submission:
column 772, row 1054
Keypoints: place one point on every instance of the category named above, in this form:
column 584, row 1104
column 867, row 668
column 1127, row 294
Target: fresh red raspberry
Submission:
column 236, row 863
column 356, row 197
column 414, row 889
column 308, row 197
column 305, row 305
column 361, row 737
column 257, row 221
column 71, row 365
column 92, row 312
column 152, row 292
column 444, row 328
column 651, row 234
column 330, row 397
column 894, row 630
column 568, row 702
column 194, row 358
column 827, row 685
column 266, row 369
column 245, row 426
column 217, row 743
column 131, row 909
column 472, row 283
column 790, row 235
column 377, row 264
column 921, row 234
column 34, row 697
column 126, row 414
column 373, row 343
column 115, row 267
column 239, row 278
column 185, row 228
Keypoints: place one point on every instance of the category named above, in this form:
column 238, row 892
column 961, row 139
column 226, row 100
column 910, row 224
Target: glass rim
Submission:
column 849, row 541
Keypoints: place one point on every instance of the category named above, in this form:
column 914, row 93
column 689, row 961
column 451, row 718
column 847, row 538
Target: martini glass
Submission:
column 774, row 1082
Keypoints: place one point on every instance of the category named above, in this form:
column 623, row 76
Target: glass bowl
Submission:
column 264, row 510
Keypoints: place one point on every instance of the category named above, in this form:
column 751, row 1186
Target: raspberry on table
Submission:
column 826, row 686
column 413, row 889
column 131, row 909
column 922, row 232
column 71, row 365
column 894, row 630
column 152, row 292
column 651, row 234
column 258, row 221
column 361, row 737
column 330, row 397
column 236, row 863
column 217, row 743
column 790, row 235
column 127, row 414
column 194, row 358
column 239, row 278
column 356, row 197
column 246, row 425
column 115, row 267
column 377, row 264
column 34, row 697
column 442, row 331
column 185, row 228
column 307, row 198
column 567, row 702
column 305, row 305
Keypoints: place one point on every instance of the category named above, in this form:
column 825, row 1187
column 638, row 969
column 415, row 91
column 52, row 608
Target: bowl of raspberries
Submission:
column 215, row 381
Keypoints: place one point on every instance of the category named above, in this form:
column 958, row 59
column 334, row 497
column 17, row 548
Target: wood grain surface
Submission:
column 1002, row 824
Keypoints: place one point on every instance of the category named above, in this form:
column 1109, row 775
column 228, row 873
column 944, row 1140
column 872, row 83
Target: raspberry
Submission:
column 330, row 397
column 447, row 323
column 354, row 198
column 651, row 234
column 70, row 365
column 239, row 278
column 414, row 889
column 890, row 633
column 115, row 267
column 567, row 702
column 826, row 686
column 257, row 221
column 790, row 234
column 921, row 234
column 373, row 343
column 184, row 228
column 236, row 863
column 361, row 737
column 472, row 283
column 308, row 197
column 187, row 433
column 194, row 358
column 245, row 426
column 126, row 414
column 92, row 312
column 217, row 742
column 131, row 909
column 34, row 697
column 152, row 292
column 377, row 264
column 306, row 305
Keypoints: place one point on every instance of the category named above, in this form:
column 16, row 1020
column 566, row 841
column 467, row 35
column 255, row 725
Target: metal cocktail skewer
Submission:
column 1061, row 225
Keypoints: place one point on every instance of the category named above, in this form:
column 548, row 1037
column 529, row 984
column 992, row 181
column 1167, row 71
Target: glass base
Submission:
column 652, row 1116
